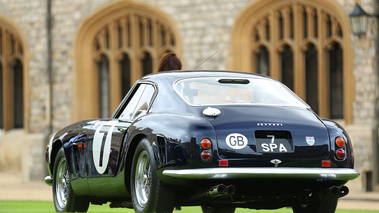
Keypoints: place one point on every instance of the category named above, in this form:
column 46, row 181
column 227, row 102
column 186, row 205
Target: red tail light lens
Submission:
column 341, row 154
column 206, row 155
column 206, row 143
column 340, row 142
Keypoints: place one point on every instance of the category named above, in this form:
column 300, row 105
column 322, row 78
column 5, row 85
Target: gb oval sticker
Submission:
column 236, row 141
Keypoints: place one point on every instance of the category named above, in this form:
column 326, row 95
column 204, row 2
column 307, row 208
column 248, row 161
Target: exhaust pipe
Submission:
column 217, row 190
column 330, row 192
column 344, row 190
column 231, row 190
column 334, row 192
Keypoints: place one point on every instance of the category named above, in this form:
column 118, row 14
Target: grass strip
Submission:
column 48, row 206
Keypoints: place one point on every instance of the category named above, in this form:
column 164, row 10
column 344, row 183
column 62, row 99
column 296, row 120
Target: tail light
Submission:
column 47, row 153
column 341, row 154
column 340, row 142
column 206, row 155
column 206, row 151
column 206, row 143
column 341, row 151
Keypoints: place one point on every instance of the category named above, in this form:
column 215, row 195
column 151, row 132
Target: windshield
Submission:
column 220, row 91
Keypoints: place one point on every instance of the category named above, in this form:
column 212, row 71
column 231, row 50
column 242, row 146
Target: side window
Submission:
column 139, row 103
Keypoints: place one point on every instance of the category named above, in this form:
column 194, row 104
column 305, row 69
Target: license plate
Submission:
column 273, row 142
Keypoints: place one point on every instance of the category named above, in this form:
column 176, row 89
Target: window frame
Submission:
column 127, row 99
column 12, row 51
column 113, row 18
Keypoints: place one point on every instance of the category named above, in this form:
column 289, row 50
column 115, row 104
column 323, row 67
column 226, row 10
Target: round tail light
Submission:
column 206, row 143
column 206, row 155
column 341, row 154
column 340, row 142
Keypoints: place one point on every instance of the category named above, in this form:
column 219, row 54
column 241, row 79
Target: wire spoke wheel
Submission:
column 147, row 192
column 64, row 197
column 143, row 179
column 62, row 184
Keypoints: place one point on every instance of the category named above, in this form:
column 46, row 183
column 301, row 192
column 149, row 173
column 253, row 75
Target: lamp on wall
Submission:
column 359, row 20
column 359, row 23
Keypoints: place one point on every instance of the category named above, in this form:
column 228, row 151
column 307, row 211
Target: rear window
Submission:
column 225, row 91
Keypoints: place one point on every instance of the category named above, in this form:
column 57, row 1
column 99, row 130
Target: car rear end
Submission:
column 270, row 149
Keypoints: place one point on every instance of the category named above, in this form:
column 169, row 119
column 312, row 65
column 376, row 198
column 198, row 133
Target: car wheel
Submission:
column 218, row 209
column 320, row 206
column 65, row 199
column 148, row 193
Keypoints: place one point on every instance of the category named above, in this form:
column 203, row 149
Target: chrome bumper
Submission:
column 343, row 174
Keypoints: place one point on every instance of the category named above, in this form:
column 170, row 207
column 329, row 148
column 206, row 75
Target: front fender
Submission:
column 66, row 137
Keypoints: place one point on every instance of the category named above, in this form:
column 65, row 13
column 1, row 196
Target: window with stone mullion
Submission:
column 11, row 81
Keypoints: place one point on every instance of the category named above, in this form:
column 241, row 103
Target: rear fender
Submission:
column 335, row 130
column 128, row 157
column 175, row 139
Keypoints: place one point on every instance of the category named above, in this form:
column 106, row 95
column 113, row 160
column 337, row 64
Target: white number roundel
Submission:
column 236, row 141
column 100, row 151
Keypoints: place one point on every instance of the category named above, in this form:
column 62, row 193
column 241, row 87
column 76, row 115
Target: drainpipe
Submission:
column 375, row 128
column 375, row 141
column 49, row 102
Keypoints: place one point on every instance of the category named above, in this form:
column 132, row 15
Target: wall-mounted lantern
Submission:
column 359, row 20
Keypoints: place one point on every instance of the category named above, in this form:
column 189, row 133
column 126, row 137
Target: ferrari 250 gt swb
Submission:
column 216, row 139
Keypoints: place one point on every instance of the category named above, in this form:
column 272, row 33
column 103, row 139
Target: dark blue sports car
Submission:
column 216, row 139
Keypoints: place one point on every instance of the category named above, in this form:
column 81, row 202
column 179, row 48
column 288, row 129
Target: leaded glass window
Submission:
column 286, row 65
column 336, row 82
column 104, row 101
column 133, row 43
column 11, row 81
column 300, row 45
column 311, row 77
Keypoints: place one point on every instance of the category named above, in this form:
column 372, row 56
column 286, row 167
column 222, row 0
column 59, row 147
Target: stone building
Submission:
column 64, row 61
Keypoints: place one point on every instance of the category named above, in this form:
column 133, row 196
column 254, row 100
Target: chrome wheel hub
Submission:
column 143, row 179
column 62, row 184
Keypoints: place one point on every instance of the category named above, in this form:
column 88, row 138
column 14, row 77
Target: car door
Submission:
column 104, row 156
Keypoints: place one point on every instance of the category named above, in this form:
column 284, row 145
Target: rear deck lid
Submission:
column 271, row 131
column 257, row 117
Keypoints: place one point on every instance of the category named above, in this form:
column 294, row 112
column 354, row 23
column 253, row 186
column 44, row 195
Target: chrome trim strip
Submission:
column 343, row 174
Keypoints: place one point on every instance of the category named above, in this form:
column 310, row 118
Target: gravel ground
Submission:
column 13, row 188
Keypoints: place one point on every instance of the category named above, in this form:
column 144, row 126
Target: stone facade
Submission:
column 204, row 27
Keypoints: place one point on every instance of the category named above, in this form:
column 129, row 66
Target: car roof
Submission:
column 173, row 76
column 168, row 100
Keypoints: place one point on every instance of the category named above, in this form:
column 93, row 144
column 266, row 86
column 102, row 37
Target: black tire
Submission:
column 319, row 206
column 148, row 193
column 65, row 199
column 218, row 209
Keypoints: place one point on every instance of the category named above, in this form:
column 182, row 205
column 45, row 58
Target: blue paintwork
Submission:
column 179, row 128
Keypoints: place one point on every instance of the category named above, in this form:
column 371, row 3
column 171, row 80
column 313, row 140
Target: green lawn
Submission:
column 48, row 206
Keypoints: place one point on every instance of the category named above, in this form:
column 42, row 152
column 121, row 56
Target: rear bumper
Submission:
column 48, row 180
column 342, row 174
